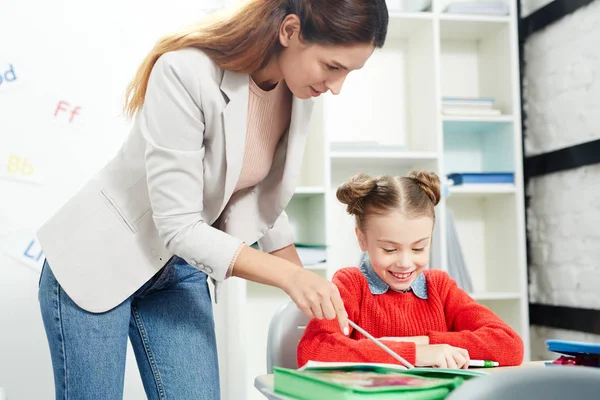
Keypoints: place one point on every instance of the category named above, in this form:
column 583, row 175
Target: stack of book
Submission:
column 479, row 8
column 312, row 255
column 367, row 145
column 469, row 106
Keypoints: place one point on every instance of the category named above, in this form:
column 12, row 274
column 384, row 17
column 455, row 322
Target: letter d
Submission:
column 11, row 71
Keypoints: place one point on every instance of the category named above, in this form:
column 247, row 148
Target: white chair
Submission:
column 285, row 331
column 547, row 383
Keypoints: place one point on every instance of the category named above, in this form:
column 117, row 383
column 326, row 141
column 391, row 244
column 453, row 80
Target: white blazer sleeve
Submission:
column 172, row 123
column 279, row 236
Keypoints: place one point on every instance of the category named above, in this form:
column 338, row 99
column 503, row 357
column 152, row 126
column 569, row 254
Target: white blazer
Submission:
column 169, row 189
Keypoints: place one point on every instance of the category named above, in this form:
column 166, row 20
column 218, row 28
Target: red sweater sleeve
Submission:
column 474, row 327
column 323, row 340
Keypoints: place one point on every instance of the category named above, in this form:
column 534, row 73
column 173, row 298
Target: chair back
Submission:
column 285, row 331
column 543, row 383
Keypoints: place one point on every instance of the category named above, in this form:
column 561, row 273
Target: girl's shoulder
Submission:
column 437, row 279
column 349, row 276
column 436, row 274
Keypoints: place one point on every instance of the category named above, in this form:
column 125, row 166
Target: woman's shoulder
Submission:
column 190, row 63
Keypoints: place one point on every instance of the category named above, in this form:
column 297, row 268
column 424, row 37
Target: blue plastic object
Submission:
column 485, row 177
column 570, row 347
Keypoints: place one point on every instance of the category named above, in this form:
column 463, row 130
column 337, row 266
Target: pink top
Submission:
column 269, row 114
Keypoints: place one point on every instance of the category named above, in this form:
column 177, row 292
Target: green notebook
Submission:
column 368, row 381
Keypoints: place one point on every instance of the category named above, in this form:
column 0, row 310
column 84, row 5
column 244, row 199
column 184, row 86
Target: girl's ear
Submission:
column 362, row 240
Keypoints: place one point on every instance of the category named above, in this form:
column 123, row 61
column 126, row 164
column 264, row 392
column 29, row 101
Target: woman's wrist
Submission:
column 257, row 266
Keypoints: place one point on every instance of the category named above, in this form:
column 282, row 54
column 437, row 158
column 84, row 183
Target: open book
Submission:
column 335, row 365
column 368, row 381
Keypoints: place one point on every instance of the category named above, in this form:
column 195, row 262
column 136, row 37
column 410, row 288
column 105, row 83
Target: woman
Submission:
column 221, row 115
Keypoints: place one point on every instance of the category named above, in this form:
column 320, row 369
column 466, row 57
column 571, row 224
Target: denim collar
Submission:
column 378, row 285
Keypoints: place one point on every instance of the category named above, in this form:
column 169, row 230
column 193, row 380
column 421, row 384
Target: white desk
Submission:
column 264, row 383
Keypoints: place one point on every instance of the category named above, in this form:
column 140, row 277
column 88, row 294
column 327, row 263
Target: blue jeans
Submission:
column 169, row 321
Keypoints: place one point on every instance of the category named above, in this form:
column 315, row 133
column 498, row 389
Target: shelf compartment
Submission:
column 478, row 147
column 471, row 27
column 476, row 60
column 488, row 232
column 510, row 311
column 390, row 99
column 306, row 213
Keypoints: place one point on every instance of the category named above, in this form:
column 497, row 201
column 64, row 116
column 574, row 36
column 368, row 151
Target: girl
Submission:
column 419, row 313
column 221, row 119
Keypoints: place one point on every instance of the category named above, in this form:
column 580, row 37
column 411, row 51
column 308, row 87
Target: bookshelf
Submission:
column 388, row 119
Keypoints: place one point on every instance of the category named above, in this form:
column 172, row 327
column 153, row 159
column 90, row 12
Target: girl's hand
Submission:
column 316, row 297
column 442, row 356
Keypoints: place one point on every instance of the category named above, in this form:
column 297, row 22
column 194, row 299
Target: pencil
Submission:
column 383, row 346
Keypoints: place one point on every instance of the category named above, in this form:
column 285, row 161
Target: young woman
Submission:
column 221, row 118
column 419, row 313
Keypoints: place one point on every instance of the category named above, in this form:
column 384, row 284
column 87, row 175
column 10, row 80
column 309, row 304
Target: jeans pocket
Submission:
column 162, row 277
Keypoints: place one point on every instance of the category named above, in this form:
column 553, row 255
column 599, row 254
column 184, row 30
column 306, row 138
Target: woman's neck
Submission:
column 268, row 77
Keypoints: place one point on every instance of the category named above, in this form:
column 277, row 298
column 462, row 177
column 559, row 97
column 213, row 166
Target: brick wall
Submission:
column 562, row 105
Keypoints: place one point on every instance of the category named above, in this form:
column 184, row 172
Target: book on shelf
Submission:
column 462, row 101
column 470, row 112
column 369, row 381
column 497, row 8
column 469, row 106
column 311, row 254
column 476, row 178
column 366, row 146
column 457, row 267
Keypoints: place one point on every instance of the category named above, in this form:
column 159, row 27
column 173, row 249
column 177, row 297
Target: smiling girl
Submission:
column 419, row 313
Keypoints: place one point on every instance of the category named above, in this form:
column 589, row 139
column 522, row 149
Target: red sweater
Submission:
column 449, row 315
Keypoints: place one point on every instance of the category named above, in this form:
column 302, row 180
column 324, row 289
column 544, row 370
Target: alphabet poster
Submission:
column 64, row 68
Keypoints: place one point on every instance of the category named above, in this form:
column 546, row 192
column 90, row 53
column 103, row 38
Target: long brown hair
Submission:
column 414, row 195
column 246, row 40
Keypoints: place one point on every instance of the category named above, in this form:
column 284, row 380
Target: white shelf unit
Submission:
column 396, row 100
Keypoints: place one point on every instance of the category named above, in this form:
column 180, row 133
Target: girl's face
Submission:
column 398, row 247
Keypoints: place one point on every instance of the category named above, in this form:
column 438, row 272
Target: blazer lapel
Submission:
column 235, row 115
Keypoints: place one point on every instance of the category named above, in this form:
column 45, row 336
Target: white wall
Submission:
column 82, row 54
column 562, row 99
